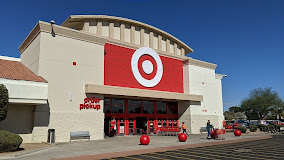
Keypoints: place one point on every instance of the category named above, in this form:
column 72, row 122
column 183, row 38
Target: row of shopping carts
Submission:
column 169, row 131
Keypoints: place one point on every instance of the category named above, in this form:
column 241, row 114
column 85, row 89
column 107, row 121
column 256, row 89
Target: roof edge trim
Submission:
column 200, row 63
column 83, row 36
column 78, row 17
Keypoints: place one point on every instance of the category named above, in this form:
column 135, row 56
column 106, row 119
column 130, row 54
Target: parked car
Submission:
column 253, row 123
column 278, row 122
column 245, row 125
column 268, row 122
column 232, row 124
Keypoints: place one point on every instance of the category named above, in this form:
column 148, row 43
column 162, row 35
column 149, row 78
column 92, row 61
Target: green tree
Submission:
column 235, row 109
column 260, row 102
column 228, row 115
column 4, row 98
column 278, row 109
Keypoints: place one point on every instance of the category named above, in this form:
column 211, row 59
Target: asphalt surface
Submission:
column 265, row 149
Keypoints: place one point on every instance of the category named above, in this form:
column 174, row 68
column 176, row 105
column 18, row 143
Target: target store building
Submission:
column 97, row 67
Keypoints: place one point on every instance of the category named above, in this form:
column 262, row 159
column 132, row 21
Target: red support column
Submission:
column 155, row 117
column 126, row 125
column 134, row 126
column 117, row 125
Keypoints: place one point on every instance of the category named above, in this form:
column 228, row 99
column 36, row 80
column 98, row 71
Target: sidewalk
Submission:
column 129, row 145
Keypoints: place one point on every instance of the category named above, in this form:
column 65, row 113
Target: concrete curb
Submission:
column 161, row 149
column 33, row 151
column 26, row 153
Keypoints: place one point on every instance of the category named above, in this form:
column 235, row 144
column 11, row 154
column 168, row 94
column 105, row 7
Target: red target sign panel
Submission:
column 142, row 68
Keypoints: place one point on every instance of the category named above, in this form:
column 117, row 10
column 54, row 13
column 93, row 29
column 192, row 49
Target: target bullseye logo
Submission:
column 151, row 65
column 147, row 67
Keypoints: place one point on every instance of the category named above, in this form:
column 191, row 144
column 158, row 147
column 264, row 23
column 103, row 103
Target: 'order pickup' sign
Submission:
column 91, row 103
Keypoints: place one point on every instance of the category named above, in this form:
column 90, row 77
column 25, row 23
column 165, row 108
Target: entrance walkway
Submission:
column 129, row 145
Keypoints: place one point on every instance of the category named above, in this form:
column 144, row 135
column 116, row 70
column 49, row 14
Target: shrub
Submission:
column 4, row 98
column 242, row 129
column 262, row 125
column 276, row 125
column 9, row 141
column 252, row 128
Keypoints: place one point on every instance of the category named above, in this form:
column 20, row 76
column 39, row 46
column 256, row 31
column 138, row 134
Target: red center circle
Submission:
column 141, row 71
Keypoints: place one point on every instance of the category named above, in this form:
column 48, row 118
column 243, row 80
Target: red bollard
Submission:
column 182, row 137
column 144, row 140
column 237, row 132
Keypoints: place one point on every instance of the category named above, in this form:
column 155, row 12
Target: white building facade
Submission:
column 98, row 67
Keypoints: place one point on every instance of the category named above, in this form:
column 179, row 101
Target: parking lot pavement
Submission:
column 127, row 145
column 264, row 149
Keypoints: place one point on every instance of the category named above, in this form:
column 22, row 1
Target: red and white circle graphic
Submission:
column 147, row 67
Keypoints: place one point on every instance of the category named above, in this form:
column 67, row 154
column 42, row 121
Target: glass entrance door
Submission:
column 141, row 125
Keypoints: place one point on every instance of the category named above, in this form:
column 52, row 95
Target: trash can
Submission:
column 51, row 136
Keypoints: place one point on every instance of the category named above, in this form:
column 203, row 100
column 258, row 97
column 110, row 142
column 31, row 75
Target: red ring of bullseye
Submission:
column 141, row 71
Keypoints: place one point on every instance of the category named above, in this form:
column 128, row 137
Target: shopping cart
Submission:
column 216, row 132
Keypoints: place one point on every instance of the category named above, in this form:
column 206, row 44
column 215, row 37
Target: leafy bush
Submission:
column 261, row 126
column 9, row 141
column 252, row 128
column 4, row 98
column 242, row 129
column 276, row 125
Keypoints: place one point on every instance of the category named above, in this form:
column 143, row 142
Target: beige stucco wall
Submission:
column 20, row 120
column 66, row 87
column 26, row 92
column 30, row 57
column 201, row 81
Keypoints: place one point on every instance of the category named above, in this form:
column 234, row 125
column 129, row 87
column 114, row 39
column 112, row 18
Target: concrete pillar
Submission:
column 99, row 27
column 159, row 42
column 182, row 52
column 86, row 26
column 168, row 45
column 142, row 37
column 175, row 48
column 122, row 32
column 111, row 29
column 151, row 36
column 132, row 34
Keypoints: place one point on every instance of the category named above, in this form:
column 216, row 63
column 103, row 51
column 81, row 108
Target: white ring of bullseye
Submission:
column 134, row 66
column 147, row 67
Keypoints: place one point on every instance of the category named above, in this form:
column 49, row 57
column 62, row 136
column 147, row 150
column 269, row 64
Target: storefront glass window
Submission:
column 134, row 106
column 118, row 105
column 107, row 103
column 172, row 107
column 161, row 107
column 148, row 107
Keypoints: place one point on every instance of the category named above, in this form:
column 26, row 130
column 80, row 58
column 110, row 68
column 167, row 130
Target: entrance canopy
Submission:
column 143, row 93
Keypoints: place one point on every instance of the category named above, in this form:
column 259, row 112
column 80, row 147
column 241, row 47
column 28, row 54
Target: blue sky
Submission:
column 245, row 38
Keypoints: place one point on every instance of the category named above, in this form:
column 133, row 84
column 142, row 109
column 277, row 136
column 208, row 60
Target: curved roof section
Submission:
column 77, row 22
